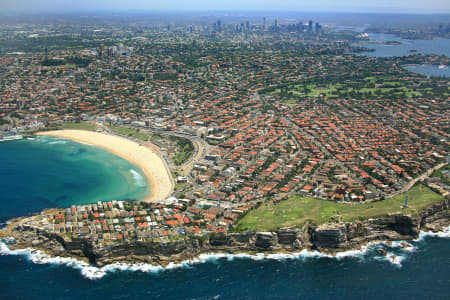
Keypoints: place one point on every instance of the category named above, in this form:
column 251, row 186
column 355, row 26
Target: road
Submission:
column 415, row 180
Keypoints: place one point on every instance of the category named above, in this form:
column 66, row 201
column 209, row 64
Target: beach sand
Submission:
column 149, row 161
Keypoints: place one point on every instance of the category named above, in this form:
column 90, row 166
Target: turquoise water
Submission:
column 48, row 172
column 429, row 70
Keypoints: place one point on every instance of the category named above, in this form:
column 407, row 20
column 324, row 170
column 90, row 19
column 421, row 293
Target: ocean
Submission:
column 418, row 272
column 46, row 172
column 52, row 172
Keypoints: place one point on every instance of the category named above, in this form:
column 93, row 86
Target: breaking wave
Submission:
column 138, row 178
column 50, row 140
column 440, row 234
column 394, row 252
column 58, row 142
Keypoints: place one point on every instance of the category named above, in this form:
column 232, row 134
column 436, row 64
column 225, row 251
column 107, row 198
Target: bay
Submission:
column 429, row 70
column 435, row 46
column 46, row 172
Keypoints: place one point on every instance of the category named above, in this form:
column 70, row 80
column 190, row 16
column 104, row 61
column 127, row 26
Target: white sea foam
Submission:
column 138, row 179
column 42, row 139
column 441, row 234
column 392, row 258
column 404, row 245
column 79, row 142
column 92, row 272
column 58, row 142
column 39, row 257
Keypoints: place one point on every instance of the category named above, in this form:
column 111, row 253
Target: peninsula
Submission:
column 137, row 232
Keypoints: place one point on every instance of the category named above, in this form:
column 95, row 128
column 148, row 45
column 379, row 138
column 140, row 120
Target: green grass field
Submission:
column 297, row 210
column 340, row 90
column 79, row 126
column 183, row 154
column 367, row 88
column 130, row 132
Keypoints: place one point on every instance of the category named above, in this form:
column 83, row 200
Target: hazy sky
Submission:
column 393, row 6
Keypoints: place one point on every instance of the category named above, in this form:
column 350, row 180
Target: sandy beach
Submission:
column 150, row 162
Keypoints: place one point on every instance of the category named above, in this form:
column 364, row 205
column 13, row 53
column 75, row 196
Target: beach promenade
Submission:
column 149, row 161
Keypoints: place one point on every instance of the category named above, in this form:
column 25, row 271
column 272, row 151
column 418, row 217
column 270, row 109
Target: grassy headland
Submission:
column 297, row 210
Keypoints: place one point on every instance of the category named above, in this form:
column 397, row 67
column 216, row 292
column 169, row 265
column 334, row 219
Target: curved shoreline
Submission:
column 152, row 165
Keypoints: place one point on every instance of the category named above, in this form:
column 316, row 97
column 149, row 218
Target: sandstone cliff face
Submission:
column 326, row 237
column 350, row 235
column 146, row 252
column 436, row 216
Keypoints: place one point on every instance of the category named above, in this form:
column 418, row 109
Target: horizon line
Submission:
column 178, row 11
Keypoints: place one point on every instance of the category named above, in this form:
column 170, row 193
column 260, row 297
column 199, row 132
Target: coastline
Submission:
column 327, row 240
column 336, row 239
column 92, row 272
column 152, row 165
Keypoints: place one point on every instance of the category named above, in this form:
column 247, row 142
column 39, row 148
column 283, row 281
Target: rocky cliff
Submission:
column 327, row 237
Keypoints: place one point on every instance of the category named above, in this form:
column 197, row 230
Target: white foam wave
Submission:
column 39, row 257
column 30, row 139
column 392, row 258
column 92, row 272
column 404, row 245
column 440, row 234
column 57, row 142
column 138, row 178
column 43, row 139
column 83, row 143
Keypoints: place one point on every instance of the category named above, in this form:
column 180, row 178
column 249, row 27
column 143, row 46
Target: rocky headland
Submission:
column 329, row 238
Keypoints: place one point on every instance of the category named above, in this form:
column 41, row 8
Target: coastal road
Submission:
column 201, row 148
column 415, row 180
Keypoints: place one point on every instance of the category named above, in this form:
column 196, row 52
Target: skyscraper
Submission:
column 318, row 27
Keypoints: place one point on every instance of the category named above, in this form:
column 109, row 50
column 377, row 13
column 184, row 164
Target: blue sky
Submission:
column 385, row 6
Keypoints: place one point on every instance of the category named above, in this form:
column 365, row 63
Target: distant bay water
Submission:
column 429, row 70
column 52, row 172
column 406, row 47
column 47, row 172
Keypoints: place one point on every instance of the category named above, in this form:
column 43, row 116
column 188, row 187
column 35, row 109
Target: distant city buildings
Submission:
column 114, row 51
